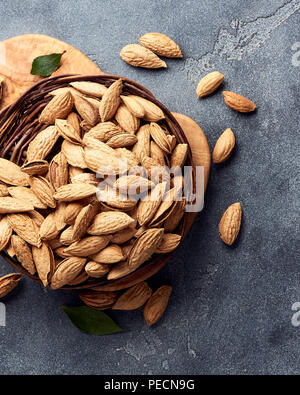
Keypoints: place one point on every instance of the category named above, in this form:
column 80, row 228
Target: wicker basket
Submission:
column 19, row 125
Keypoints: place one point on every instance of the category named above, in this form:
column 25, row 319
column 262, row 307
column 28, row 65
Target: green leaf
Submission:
column 91, row 321
column 46, row 65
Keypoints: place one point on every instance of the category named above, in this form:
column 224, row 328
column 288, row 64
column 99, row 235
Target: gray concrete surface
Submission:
column 230, row 312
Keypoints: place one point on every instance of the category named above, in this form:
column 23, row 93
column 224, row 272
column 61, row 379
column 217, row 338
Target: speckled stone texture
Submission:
column 230, row 312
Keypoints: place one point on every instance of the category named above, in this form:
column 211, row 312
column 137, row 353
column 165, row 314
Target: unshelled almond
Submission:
column 99, row 300
column 169, row 242
column 209, row 83
column 35, row 167
column 5, row 233
column 230, row 223
column 8, row 283
column 59, row 107
column 133, row 106
column 23, row 253
column 11, row 174
column 144, row 247
column 129, row 122
column 111, row 101
column 89, row 88
column 42, row 144
column 67, row 271
column 109, row 222
column 138, row 56
column 161, row 44
column 237, row 102
column 157, row 304
column 224, row 146
column 44, row 262
column 25, row 227
column 96, row 270
column 134, row 297
column 111, row 254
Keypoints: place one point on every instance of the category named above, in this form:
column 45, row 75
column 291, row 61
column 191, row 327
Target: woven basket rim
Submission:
column 155, row 264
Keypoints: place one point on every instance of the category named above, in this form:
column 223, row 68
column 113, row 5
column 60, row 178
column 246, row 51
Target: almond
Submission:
column 111, row 101
column 58, row 171
column 96, row 270
column 134, row 297
column 86, row 178
column 13, row 205
column 169, row 243
column 88, row 246
column 157, row 304
column 89, row 88
column 59, row 107
column 5, row 233
column 173, row 220
column 8, row 283
column 238, row 102
column 74, row 120
column 67, row 271
column 42, row 144
column 224, row 146
column 132, row 185
column 209, row 83
column 23, row 253
column 67, row 131
column 84, row 219
column 10, row 173
column 144, row 247
column 157, row 153
column 230, row 223
column 161, row 45
column 26, row 196
column 99, row 300
column 74, row 154
column 111, row 254
column 86, row 110
column 126, row 119
column 142, row 146
column 35, row 167
column 48, row 229
column 122, row 140
column 104, row 131
column 109, row 222
column 119, row 270
column 160, row 137
column 139, row 56
column 3, row 190
column 133, row 106
column 66, row 237
column 149, row 205
column 71, row 192
column 153, row 113
column 43, row 190
column 25, row 227
column 44, row 262
column 179, row 155
column 71, row 211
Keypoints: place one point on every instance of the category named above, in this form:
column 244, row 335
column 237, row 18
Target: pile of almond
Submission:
column 62, row 225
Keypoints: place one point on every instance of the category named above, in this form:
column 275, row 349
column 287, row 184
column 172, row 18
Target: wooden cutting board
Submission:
column 17, row 54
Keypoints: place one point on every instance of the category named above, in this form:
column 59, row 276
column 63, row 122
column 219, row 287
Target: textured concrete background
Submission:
column 230, row 311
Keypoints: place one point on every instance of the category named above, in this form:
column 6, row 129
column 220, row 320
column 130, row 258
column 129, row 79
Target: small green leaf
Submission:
column 46, row 65
column 91, row 321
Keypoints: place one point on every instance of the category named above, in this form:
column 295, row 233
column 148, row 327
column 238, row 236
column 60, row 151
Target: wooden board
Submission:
column 17, row 54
